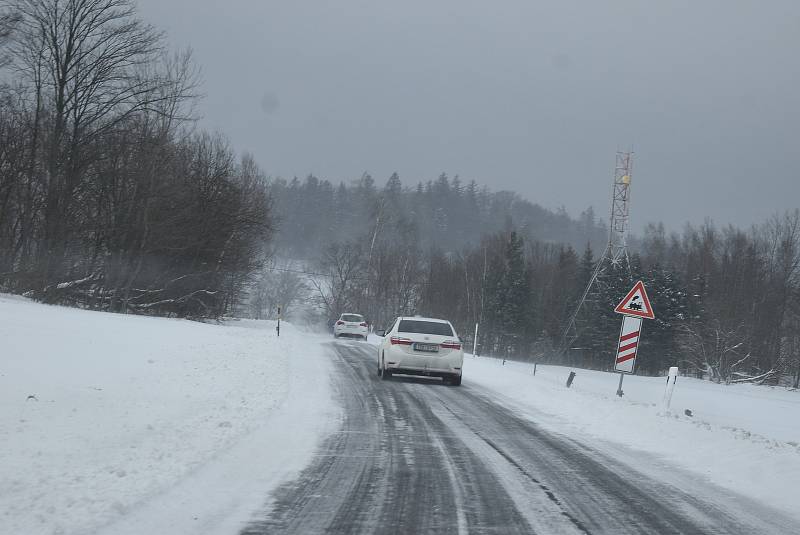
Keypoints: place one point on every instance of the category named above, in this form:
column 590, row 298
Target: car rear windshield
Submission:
column 352, row 317
column 425, row 327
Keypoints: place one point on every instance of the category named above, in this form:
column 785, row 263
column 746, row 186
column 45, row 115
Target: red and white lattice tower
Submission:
column 615, row 254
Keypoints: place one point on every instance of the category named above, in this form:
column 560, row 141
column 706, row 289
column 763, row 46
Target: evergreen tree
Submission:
column 658, row 348
column 515, row 287
column 393, row 186
column 587, row 266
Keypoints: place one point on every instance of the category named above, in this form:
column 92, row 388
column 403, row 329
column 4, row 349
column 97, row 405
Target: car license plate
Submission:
column 428, row 348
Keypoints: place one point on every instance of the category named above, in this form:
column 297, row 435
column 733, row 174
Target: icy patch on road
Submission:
column 741, row 437
column 104, row 415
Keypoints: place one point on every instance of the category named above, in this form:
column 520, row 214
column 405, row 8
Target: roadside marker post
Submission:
column 634, row 307
column 672, row 378
column 475, row 342
column 570, row 378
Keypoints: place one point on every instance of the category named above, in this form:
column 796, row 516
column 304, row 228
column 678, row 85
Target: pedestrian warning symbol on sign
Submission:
column 636, row 303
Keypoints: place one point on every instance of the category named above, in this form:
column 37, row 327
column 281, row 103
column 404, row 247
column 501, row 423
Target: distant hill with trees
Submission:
column 445, row 213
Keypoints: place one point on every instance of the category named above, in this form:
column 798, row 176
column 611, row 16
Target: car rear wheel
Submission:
column 383, row 372
column 454, row 380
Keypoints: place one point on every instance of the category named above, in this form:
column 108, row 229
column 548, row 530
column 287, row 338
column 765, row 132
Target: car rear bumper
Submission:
column 355, row 333
column 427, row 372
column 415, row 364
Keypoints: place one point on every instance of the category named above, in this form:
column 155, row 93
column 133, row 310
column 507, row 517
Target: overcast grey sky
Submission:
column 524, row 95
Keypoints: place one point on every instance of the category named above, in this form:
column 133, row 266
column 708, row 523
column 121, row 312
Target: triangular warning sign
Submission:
column 636, row 303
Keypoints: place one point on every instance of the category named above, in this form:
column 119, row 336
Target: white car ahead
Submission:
column 421, row 346
column 352, row 325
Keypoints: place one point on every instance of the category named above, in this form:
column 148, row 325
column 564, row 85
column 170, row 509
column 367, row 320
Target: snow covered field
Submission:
column 126, row 424
column 744, row 438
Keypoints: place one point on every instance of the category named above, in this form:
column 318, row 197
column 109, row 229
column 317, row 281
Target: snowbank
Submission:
column 133, row 423
column 744, row 438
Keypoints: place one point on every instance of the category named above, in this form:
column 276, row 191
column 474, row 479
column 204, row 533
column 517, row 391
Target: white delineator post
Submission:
column 672, row 377
column 475, row 341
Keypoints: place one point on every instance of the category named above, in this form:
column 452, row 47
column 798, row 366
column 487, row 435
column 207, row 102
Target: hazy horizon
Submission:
column 531, row 98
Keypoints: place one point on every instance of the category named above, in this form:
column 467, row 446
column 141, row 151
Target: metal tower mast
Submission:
column 616, row 252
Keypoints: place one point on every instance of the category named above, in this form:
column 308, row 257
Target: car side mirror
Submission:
column 380, row 333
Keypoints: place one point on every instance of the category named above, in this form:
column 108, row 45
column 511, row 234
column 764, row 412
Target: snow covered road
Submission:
column 414, row 456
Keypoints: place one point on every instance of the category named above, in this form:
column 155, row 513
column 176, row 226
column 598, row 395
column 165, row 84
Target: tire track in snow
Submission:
column 413, row 456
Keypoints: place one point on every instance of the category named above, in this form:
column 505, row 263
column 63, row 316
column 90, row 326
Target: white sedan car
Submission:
column 421, row 346
column 352, row 325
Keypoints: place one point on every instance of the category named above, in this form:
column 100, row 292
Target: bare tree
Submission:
column 8, row 21
column 718, row 352
column 82, row 58
column 344, row 264
column 781, row 239
column 790, row 346
column 276, row 288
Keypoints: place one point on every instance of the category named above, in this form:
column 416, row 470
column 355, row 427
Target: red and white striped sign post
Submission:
column 628, row 344
column 634, row 307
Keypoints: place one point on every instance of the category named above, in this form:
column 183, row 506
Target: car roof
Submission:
column 351, row 314
column 420, row 318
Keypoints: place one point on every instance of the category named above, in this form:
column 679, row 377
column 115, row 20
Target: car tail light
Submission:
column 396, row 340
column 451, row 344
column 362, row 324
column 339, row 323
